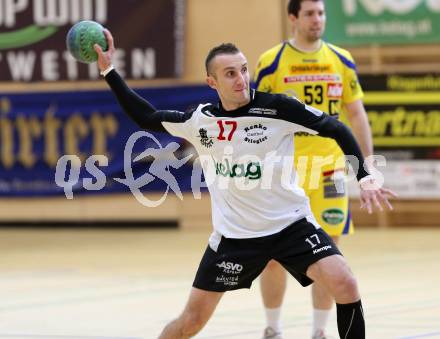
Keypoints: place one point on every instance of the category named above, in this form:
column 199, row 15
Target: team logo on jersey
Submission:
column 334, row 90
column 334, row 184
column 255, row 134
column 205, row 140
column 252, row 170
column 312, row 77
column 333, row 189
column 333, row 216
column 263, row 111
column 310, row 68
column 354, row 85
column 310, row 60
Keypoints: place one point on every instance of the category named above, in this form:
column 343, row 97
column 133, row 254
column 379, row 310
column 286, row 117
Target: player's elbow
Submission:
column 334, row 129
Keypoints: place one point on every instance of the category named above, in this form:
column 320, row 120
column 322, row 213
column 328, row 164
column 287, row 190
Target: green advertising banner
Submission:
column 363, row 22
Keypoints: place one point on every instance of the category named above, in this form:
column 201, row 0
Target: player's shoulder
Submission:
column 340, row 51
column 275, row 99
column 264, row 97
column 342, row 55
column 269, row 55
column 207, row 109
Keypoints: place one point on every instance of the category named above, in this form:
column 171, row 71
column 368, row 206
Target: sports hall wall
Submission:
column 254, row 25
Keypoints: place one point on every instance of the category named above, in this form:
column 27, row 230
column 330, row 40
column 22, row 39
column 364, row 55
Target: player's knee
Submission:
column 273, row 266
column 192, row 323
column 346, row 287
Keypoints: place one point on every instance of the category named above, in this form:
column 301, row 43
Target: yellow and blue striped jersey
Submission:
column 325, row 79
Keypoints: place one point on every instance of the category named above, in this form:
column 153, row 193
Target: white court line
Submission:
column 424, row 335
column 52, row 336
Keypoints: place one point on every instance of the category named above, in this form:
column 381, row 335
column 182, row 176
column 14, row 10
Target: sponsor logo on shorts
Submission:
column 324, row 248
column 333, row 216
column 228, row 281
column 229, row 267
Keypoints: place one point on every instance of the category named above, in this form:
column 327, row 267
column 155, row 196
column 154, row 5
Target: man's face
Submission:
column 310, row 23
column 229, row 75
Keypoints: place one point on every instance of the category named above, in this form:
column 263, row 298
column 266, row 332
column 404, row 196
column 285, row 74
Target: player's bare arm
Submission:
column 358, row 119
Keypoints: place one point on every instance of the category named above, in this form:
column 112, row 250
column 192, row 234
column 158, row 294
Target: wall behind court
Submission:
column 253, row 25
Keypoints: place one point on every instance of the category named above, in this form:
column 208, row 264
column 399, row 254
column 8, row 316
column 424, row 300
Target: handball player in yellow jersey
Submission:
column 324, row 76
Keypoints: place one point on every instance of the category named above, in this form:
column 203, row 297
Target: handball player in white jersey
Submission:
column 245, row 142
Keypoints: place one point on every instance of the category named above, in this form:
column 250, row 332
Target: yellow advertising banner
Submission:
column 404, row 113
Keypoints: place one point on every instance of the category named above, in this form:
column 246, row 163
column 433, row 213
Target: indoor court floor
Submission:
column 128, row 283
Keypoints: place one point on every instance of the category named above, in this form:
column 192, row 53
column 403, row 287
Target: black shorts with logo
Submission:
column 237, row 262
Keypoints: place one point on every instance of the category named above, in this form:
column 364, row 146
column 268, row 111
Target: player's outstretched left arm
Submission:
column 139, row 109
column 372, row 195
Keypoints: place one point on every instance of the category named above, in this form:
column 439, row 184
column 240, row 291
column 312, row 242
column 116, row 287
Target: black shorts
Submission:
column 237, row 262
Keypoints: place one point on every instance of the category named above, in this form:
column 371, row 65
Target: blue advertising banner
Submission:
column 53, row 143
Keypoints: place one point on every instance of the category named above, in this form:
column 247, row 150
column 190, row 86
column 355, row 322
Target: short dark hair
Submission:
column 295, row 5
column 225, row 48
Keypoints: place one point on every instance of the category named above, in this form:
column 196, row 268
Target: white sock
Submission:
column 320, row 319
column 273, row 318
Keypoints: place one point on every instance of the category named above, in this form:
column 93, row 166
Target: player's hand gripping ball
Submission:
column 81, row 38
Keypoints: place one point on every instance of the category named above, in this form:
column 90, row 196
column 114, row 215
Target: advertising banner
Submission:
column 410, row 179
column 148, row 35
column 363, row 22
column 82, row 142
column 404, row 114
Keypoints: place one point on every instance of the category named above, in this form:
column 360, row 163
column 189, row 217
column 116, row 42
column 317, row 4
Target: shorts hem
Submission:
column 218, row 289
